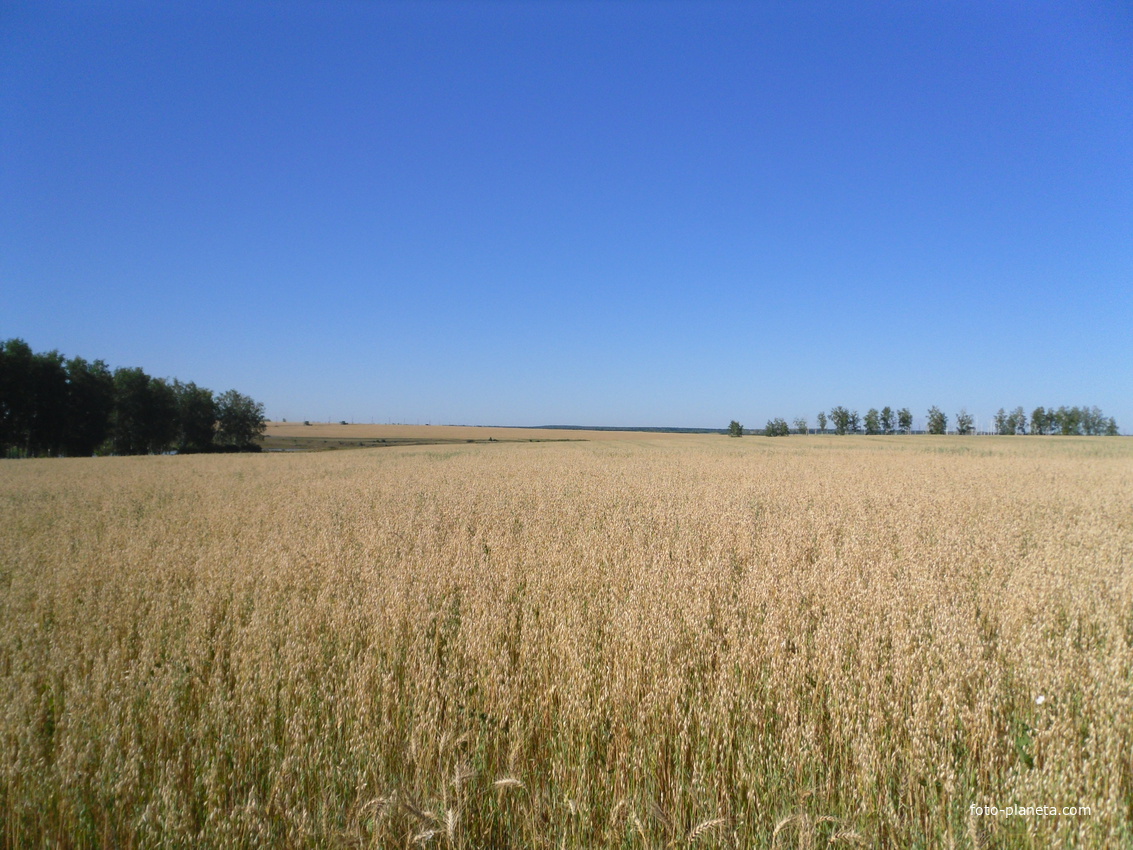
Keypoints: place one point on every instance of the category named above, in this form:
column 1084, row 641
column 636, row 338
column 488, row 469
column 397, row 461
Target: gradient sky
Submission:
column 577, row 213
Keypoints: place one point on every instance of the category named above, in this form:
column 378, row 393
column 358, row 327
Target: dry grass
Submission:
column 682, row 641
column 442, row 433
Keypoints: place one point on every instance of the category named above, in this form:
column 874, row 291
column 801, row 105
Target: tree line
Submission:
column 51, row 406
column 1066, row 421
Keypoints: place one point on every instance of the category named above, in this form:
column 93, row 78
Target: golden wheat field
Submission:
column 685, row 641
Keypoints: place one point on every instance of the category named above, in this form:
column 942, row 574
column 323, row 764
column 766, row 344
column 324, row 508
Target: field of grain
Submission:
column 325, row 436
column 666, row 641
column 441, row 433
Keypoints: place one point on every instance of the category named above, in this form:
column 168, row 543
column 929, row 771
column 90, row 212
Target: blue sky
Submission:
column 577, row 213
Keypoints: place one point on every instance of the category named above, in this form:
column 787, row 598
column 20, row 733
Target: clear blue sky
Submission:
column 592, row 213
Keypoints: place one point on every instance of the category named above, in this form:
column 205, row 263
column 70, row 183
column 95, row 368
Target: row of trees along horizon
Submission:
column 1065, row 421
column 51, row 406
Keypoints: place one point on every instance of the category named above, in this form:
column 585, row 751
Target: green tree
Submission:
column 777, row 428
column 145, row 413
column 196, row 418
column 840, row 419
column 240, row 420
column 905, row 420
column 887, row 420
column 1068, row 421
column 800, row 425
column 872, row 421
column 735, row 429
column 937, row 421
column 1111, row 427
column 855, row 423
column 1020, row 420
column 48, row 404
column 1001, row 423
column 1093, row 421
column 1038, row 421
column 964, row 423
column 90, row 405
column 821, row 421
column 33, row 400
column 15, row 396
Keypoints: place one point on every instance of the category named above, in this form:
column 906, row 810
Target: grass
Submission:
column 663, row 641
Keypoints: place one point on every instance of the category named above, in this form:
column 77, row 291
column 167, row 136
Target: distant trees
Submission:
column 1069, row 421
column 887, row 420
column 197, row 415
column 144, row 418
column 1064, row 421
column 735, row 429
column 1092, row 421
column 840, row 419
column 1016, row 422
column 33, row 399
column 1089, row 421
column 90, row 403
column 776, row 428
column 51, row 406
column 846, row 421
column 240, row 420
column 937, row 421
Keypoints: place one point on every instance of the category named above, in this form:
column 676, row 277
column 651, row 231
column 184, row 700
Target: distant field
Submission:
column 323, row 435
column 639, row 641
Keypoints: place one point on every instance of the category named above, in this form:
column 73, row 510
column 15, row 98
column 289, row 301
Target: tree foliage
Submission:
column 1069, row 421
column 777, row 428
column 735, row 429
column 937, row 421
column 240, row 420
column 90, row 405
column 196, row 418
column 1063, row 421
column 840, row 419
column 52, row 406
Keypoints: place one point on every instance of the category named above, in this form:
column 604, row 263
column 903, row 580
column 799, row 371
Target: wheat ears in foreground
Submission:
column 681, row 641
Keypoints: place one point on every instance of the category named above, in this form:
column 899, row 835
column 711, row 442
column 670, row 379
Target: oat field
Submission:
column 685, row 641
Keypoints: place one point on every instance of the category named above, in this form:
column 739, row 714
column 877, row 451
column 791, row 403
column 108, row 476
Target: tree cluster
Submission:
column 776, row 428
column 52, row 406
column 884, row 421
column 1068, row 421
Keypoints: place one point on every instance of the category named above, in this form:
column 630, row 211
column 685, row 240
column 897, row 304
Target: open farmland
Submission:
column 322, row 436
column 665, row 640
